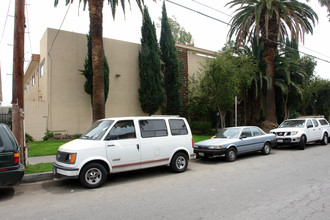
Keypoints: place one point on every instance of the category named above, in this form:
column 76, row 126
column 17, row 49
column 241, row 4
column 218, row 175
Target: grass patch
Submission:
column 44, row 148
column 38, row 168
column 197, row 138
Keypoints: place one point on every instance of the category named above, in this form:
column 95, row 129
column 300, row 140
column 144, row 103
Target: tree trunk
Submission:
column 222, row 118
column 269, row 54
column 96, row 21
column 269, row 57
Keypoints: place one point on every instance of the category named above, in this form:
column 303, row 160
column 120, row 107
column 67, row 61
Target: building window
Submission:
column 42, row 68
column 33, row 79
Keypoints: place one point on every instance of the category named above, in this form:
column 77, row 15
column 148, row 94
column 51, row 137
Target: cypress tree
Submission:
column 171, row 67
column 88, row 72
column 150, row 92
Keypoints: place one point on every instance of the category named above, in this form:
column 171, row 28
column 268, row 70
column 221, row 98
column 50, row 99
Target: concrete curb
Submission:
column 36, row 177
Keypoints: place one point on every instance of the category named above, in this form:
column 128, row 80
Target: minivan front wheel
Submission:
column 93, row 175
column 179, row 162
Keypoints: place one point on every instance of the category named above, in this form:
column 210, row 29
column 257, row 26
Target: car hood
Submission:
column 216, row 141
column 285, row 129
column 80, row 144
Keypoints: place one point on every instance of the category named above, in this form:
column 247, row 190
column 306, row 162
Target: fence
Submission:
column 5, row 118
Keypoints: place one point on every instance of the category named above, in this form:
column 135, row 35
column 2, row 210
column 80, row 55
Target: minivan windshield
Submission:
column 228, row 133
column 97, row 130
column 292, row 124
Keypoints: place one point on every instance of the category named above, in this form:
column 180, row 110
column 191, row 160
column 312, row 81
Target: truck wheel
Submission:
column 179, row 162
column 325, row 139
column 93, row 175
column 302, row 143
column 231, row 154
column 266, row 149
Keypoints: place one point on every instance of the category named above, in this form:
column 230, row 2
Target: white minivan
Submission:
column 120, row 144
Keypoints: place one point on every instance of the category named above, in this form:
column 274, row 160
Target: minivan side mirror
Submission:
column 309, row 126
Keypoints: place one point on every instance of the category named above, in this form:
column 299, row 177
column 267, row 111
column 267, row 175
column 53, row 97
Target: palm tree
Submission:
column 96, row 33
column 289, row 78
column 274, row 21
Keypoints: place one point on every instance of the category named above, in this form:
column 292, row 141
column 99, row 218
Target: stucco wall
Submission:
column 61, row 88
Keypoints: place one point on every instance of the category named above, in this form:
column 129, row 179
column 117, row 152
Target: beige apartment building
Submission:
column 54, row 97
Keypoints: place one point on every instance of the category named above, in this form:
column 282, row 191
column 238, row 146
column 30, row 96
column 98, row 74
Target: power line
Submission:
column 60, row 27
column 4, row 28
column 216, row 19
column 28, row 26
column 211, row 8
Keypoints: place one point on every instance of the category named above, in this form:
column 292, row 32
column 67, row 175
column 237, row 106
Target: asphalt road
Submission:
column 287, row 184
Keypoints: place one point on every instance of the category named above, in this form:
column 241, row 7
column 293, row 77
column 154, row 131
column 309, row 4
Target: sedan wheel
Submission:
column 266, row 149
column 231, row 155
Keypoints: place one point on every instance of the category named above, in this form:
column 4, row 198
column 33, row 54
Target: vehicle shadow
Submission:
column 6, row 193
column 295, row 147
column 62, row 186
column 221, row 159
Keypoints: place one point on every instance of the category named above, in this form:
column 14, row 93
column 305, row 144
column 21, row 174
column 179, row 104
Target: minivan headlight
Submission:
column 65, row 157
column 72, row 158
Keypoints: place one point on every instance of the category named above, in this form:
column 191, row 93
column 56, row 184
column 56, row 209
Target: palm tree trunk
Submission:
column 96, row 21
column 270, row 94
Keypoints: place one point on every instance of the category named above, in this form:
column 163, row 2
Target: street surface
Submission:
column 287, row 184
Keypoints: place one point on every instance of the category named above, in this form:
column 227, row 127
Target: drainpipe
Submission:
column 49, row 61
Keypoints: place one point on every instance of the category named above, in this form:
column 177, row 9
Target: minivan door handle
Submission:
column 138, row 146
column 111, row 145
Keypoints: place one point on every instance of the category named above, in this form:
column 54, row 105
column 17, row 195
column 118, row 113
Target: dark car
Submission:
column 11, row 170
column 234, row 141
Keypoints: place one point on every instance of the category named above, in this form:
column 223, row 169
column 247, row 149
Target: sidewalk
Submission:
column 36, row 177
column 42, row 159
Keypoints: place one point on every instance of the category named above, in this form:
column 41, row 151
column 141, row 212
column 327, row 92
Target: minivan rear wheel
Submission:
column 93, row 175
column 179, row 162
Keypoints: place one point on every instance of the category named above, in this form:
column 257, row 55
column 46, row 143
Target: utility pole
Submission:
column 18, row 74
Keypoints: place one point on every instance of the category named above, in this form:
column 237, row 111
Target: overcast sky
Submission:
column 207, row 33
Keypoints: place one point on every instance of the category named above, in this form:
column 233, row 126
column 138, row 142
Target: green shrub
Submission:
column 28, row 138
column 76, row 136
column 48, row 135
column 201, row 127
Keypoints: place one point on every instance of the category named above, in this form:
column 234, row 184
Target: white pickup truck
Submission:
column 302, row 130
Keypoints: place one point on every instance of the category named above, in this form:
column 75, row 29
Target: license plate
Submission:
column 279, row 141
column 201, row 154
